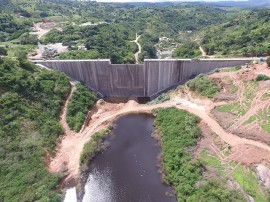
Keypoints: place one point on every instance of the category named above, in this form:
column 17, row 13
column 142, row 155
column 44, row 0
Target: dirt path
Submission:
column 39, row 31
column 68, row 152
column 63, row 117
column 139, row 46
column 203, row 52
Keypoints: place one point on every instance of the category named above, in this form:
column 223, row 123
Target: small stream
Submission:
column 128, row 171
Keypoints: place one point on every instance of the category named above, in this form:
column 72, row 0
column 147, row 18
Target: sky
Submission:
column 160, row 0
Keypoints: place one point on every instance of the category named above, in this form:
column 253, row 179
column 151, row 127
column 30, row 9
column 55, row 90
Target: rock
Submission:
column 263, row 174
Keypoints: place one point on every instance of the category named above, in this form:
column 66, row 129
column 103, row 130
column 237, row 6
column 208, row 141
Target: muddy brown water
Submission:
column 128, row 170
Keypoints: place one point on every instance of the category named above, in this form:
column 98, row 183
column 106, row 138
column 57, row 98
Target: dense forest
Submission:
column 119, row 24
column 219, row 30
column 103, row 41
column 246, row 35
column 30, row 103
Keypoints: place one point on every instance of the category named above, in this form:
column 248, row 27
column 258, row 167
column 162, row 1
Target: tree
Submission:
column 20, row 54
column 268, row 62
column 28, row 39
column 3, row 51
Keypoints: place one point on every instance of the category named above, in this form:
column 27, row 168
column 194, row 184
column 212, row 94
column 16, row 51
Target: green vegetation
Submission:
column 179, row 133
column 3, row 51
column 265, row 96
column 204, row 86
column 268, row 62
column 242, row 175
column 187, row 50
column 246, row 34
column 30, row 104
column 240, row 109
column 148, row 42
column 248, row 180
column 266, row 126
column 250, row 120
column 232, row 69
column 218, row 30
column 160, row 99
column 102, row 41
column 93, row 147
column 263, row 118
column 234, row 89
column 236, row 108
column 80, row 103
column 262, row 77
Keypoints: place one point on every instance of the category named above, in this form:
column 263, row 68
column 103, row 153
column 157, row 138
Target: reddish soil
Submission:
column 249, row 155
column 225, row 119
column 232, row 122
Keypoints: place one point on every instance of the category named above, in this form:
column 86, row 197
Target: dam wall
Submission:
column 137, row 80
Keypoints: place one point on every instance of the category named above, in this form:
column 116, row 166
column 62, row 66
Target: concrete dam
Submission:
column 149, row 79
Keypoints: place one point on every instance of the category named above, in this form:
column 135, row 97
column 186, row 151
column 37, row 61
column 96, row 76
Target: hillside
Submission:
column 222, row 31
column 245, row 35
column 30, row 104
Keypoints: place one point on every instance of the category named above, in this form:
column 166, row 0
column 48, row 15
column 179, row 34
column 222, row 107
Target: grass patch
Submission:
column 232, row 69
column 250, row 120
column 251, row 88
column 213, row 161
column 81, row 101
column 265, row 96
column 234, row 89
column 234, row 108
column 263, row 118
column 266, row 126
column 93, row 147
column 160, row 99
column 248, row 180
column 204, row 86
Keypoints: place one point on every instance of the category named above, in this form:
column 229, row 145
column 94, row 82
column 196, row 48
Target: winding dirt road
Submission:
column 139, row 46
column 67, row 156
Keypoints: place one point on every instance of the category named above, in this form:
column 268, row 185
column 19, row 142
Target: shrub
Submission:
column 81, row 101
column 203, row 85
column 162, row 98
column 3, row 51
column 29, row 126
column 262, row 77
column 268, row 62
column 179, row 133
column 93, row 147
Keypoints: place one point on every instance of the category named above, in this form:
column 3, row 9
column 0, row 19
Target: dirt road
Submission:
column 67, row 156
column 139, row 46
column 39, row 31
column 203, row 52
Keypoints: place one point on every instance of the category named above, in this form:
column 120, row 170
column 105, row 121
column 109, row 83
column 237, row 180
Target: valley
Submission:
column 185, row 136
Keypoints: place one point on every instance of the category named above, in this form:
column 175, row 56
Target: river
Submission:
column 128, row 171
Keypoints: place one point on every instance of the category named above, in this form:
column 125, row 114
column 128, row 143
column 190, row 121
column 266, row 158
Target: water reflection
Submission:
column 127, row 171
